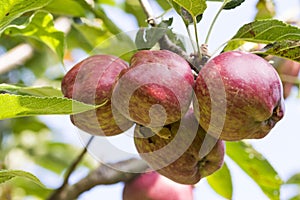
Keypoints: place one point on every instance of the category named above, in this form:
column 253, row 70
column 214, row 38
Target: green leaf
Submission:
column 45, row 91
column 32, row 190
column 194, row 7
column 146, row 38
column 134, row 7
column 6, row 175
column 41, row 27
column 231, row 4
column 297, row 197
column 221, row 182
column 66, row 7
column 52, row 155
column 12, row 9
column 165, row 5
column 265, row 9
column 93, row 35
column 119, row 45
column 12, row 106
column 263, row 31
column 256, row 166
column 295, row 179
column 284, row 49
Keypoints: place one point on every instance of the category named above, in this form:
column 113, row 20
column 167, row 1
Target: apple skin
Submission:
column 91, row 81
column 245, row 92
column 187, row 156
column 156, row 90
column 153, row 186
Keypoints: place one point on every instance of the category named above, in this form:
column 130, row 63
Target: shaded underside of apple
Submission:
column 187, row 156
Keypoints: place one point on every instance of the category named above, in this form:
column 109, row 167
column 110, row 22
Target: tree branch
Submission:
column 103, row 175
column 71, row 170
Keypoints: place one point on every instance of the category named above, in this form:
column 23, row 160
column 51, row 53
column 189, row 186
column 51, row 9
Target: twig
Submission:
column 70, row 171
column 104, row 175
column 15, row 57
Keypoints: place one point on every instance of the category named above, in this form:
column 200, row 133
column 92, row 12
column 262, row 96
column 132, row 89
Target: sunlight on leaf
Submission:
column 256, row 166
column 12, row 106
column 11, row 9
column 41, row 27
column 6, row 175
column 66, row 7
column 221, row 182
column 45, row 91
column 194, row 7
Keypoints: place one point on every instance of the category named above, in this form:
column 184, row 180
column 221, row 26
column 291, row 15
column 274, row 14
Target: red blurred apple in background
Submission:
column 156, row 90
column 91, row 81
column 153, row 186
column 239, row 95
column 288, row 71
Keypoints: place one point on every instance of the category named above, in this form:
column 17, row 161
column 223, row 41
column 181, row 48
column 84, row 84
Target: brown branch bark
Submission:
column 103, row 175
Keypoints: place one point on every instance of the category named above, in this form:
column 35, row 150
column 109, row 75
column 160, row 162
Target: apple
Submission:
column 187, row 156
column 238, row 95
column 155, row 90
column 91, row 81
column 153, row 186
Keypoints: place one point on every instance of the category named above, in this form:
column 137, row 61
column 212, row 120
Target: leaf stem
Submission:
column 190, row 36
column 214, row 21
column 196, row 37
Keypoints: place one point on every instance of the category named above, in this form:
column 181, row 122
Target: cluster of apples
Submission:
column 181, row 120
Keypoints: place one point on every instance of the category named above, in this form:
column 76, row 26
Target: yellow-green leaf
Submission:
column 221, row 182
column 11, row 9
column 12, row 106
column 41, row 27
column 194, row 7
column 265, row 9
column 6, row 175
column 256, row 166
column 45, row 91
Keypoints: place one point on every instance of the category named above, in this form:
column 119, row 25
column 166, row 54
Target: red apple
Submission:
column 156, row 90
column 238, row 95
column 91, row 81
column 153, row 186
column 187, row 156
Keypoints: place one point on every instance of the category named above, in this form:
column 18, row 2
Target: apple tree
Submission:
column 184, row 108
